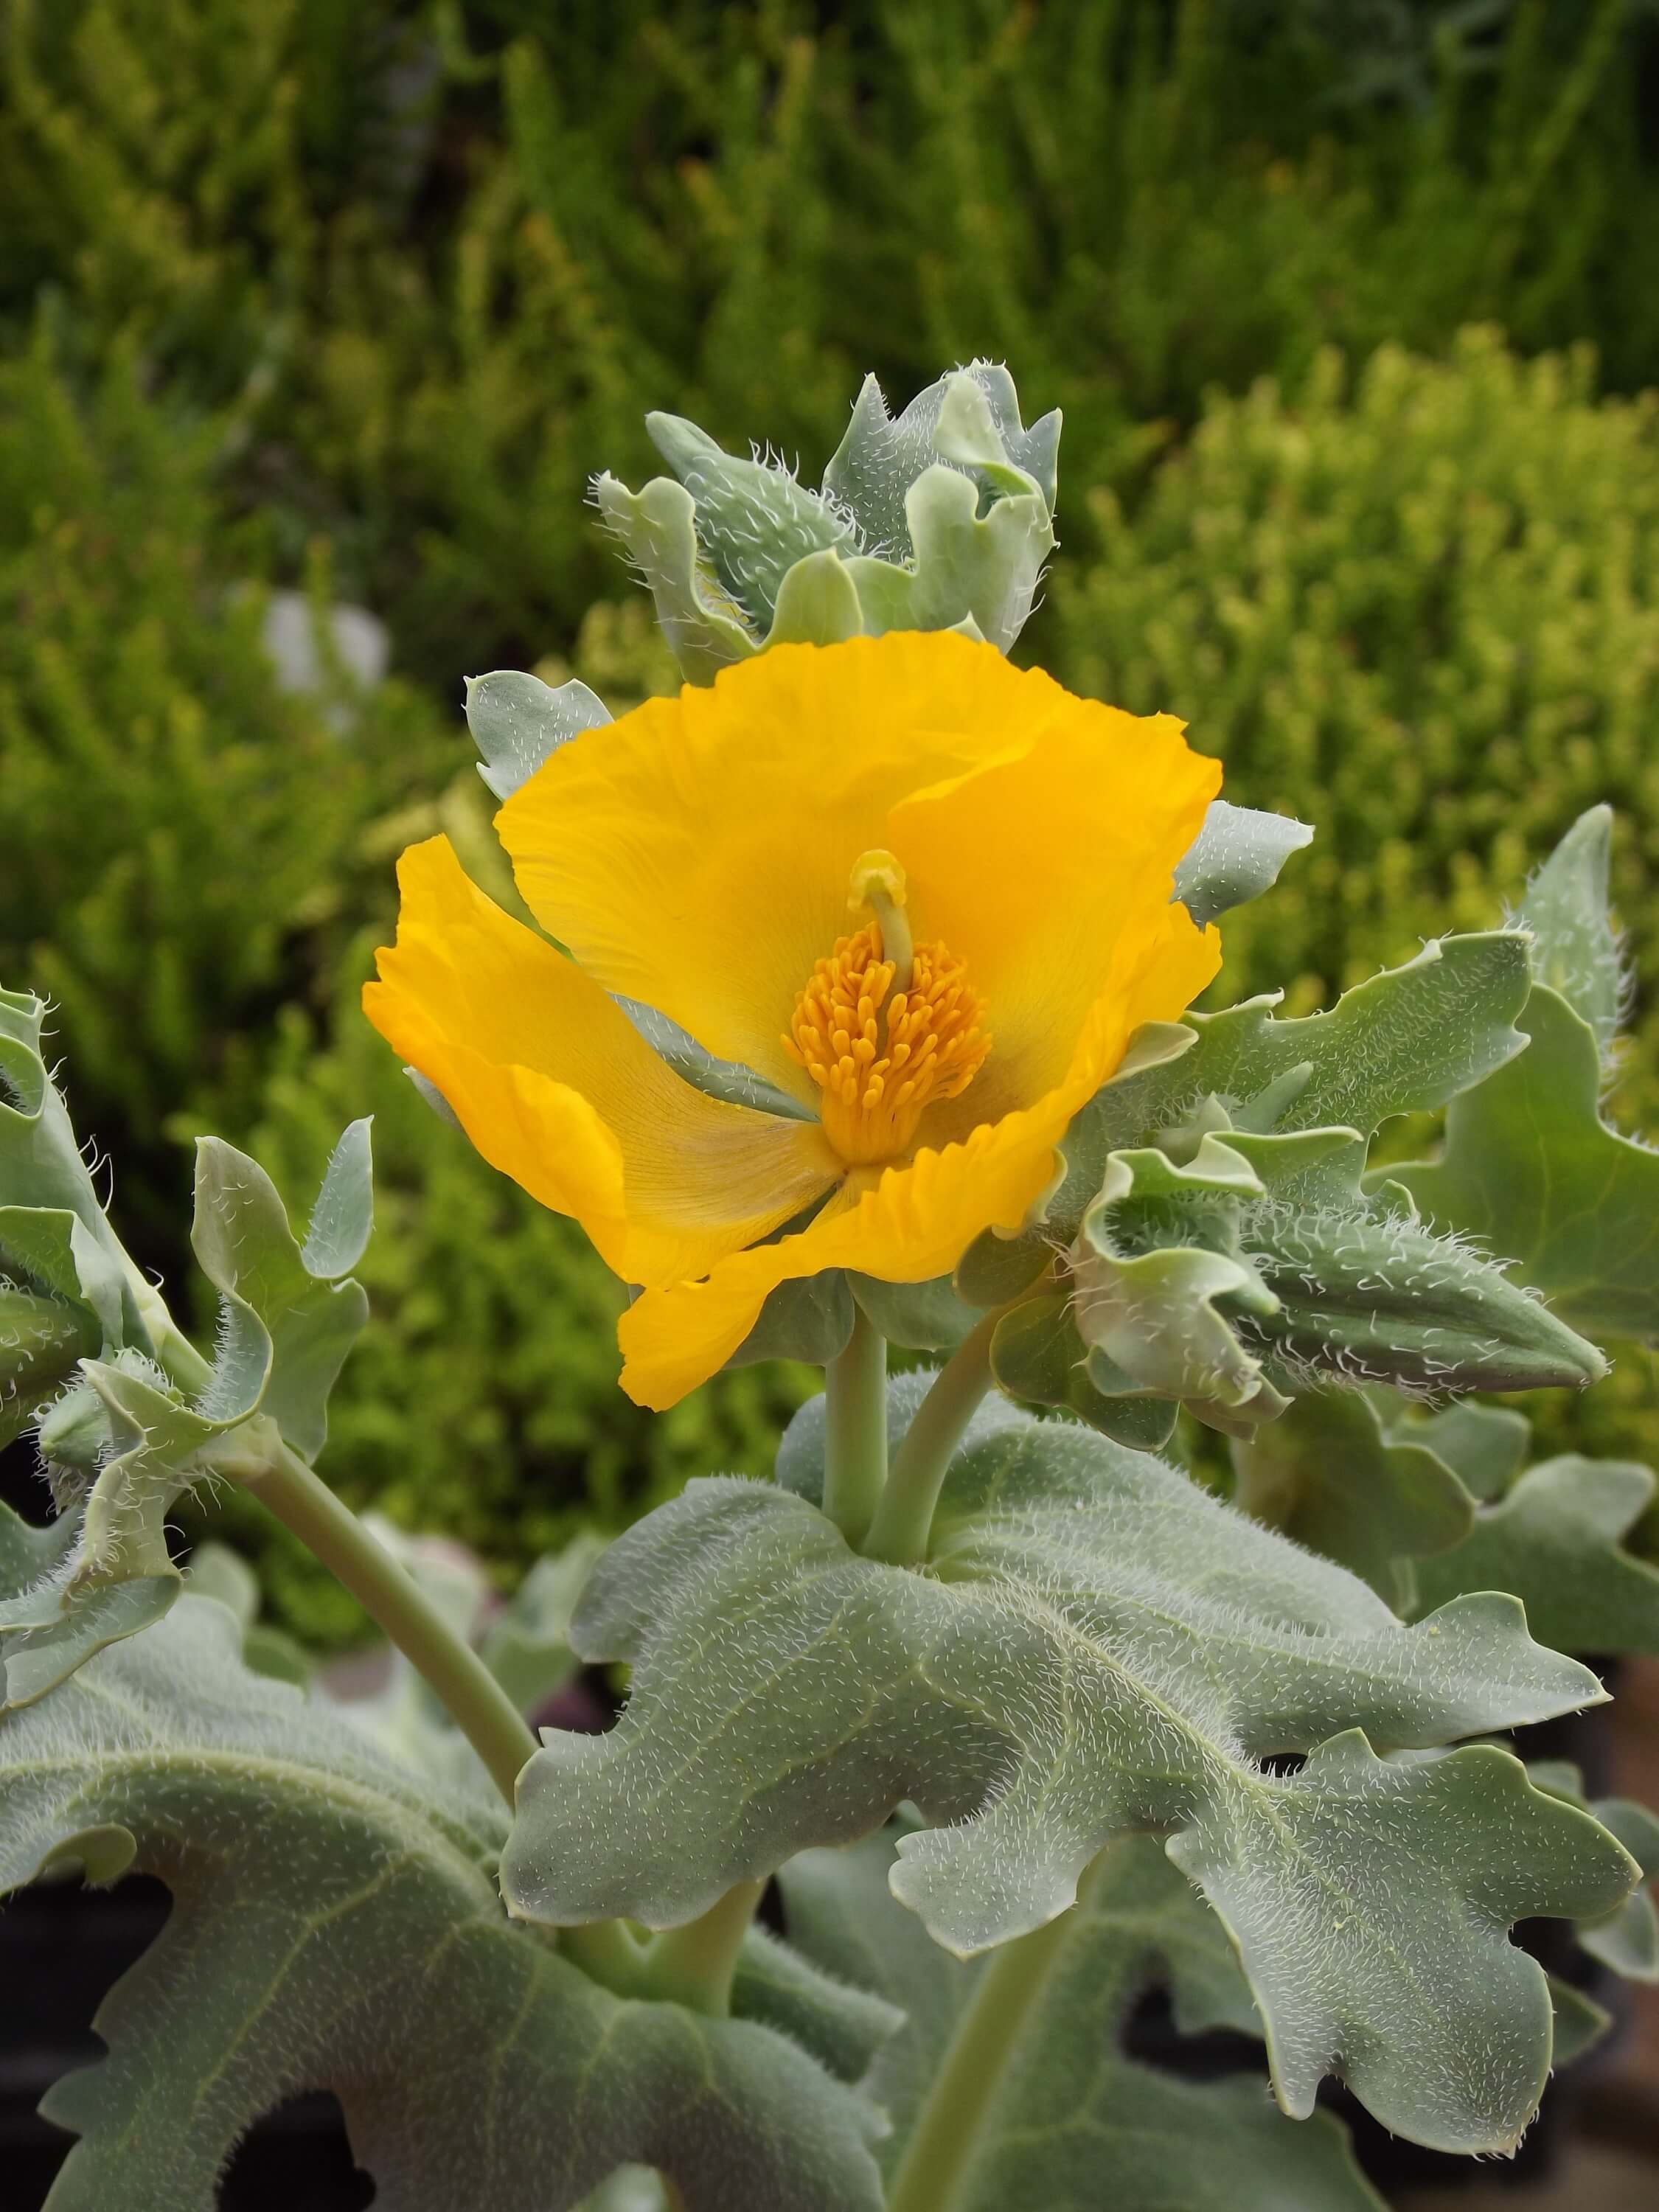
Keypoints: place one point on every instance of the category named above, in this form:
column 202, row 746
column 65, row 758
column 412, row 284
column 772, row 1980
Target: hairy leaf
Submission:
column 1237, row 856
column 517, row 721
column 1626, row 1940
column 1075, row 2123
column 1555, row 1541
column 1406, row 1040
column 1530, row 1167
column 882, row 456
column 754, row 520
column 1096, row 1647
column 336, row 1925
column 1328, row 1474
column 1574, row 949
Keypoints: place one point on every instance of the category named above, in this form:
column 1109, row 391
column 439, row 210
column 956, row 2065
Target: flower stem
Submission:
column 475, row 1699
column 941, row 2148
column 693, row 1966
column 904, row 1518
column 855, row 1428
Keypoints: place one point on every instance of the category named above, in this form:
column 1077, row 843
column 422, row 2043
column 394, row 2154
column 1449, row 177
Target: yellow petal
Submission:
column 556, row 1088
column 695, row 855
column 915, row 1222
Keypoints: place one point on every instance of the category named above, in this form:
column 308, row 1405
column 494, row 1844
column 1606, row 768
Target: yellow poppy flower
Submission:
column 922, row 892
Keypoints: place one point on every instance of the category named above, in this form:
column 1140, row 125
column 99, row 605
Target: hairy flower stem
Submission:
column 856, row 1429
column 476, row 1701
column 693, row 1966
column 941, row 2149
column 904, row 1518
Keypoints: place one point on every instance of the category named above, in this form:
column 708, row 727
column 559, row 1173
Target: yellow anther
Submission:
column 852, row 1033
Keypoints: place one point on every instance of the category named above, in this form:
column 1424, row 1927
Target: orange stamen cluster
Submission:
column 882, row 1057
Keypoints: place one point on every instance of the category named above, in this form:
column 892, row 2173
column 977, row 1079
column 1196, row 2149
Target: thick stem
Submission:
column 693, row 1966
column 855, row 1428
column 942, row 2147
column 904, row 1519
column 475, row 1699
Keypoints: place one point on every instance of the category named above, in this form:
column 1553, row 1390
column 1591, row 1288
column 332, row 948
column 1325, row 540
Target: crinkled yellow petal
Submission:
column 697, row 853
column 556, row 1088
column 915, row 1222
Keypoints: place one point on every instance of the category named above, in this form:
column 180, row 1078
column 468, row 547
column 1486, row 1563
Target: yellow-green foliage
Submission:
column 1422, row 613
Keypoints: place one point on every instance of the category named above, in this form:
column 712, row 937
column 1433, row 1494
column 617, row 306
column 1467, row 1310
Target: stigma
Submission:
column 885, row 1027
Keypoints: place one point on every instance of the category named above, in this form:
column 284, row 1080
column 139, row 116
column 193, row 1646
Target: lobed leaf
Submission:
column 1097, row 1647
column 336, row 1925
column 518, row 722
column 1555, row 1540
column 1330, row 1476
column 1530, row 1167
column 1075, row 2123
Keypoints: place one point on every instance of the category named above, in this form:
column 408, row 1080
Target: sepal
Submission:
column 518, row 722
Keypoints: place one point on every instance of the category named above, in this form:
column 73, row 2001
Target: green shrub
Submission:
column 436, row 261
column 182, row 835
column 1421, row 612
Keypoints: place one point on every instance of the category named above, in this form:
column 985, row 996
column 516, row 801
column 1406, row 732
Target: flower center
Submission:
column 882, row 1054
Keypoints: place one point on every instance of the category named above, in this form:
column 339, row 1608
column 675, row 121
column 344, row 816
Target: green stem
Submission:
column 476, row 1700
column 607, row 1951
column 904, row 1519
column 693, row 1966
column 942, row 2146
column 855, row 1428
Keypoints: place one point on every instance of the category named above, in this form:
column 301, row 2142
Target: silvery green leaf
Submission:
column 299, row 1321
column 44, row 1634
column 1575, row 950
column 817, row 604
column 112, row 1572
column 517, row 721
column 1555, row 1540
column 1097, row 1647
column 1404, row 1042
column 657, row 530
column 1530, row 1167
column 1328, row 1474
column 1074, row 2121
column 1158, row 1280
column 220, row 1573
column 920, row 1316
column 526, row 1647
column 1237, row 856
column 753, row 521
column 1036, row 1355
column 42, row 1168
column 1627, row 1939
column 882, row 456
column 43, row 1338
column 721, row 1078
column 1484, row 1446
column 1373, row 1296
column 810, row 1319
column 996, row 1268
column 343, row 1216
column 986, row 567
column 335, row 1924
